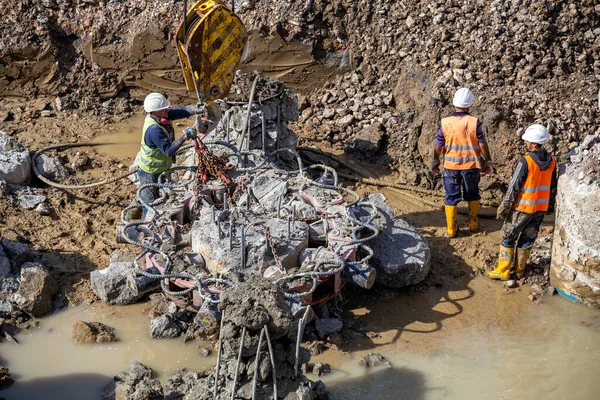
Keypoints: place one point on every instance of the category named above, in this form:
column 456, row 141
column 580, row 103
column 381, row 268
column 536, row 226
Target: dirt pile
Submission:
column 399, row 63
column 525, row 60
column 84, row 52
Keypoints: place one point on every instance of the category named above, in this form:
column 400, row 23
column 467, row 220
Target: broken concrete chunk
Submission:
column 137, row 383
column 15, row 164
column 93, row 332
column 326, row 326
column 402, row 256
column 164, row 327
column 110, row 284
column 36, row 290
column 321, row 369
column 30, row 201
column 372, row 360
column 50, row 168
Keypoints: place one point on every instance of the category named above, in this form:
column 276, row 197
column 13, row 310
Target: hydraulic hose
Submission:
column 72, row 187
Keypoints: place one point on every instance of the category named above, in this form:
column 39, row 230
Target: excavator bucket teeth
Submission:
column 210, row 44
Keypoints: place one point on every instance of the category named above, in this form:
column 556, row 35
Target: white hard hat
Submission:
column 463, row 98
column 536, row 134
column 156, row 102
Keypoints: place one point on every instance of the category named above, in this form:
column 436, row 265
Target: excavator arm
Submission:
column 210, row 41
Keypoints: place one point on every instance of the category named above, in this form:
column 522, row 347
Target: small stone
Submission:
column 204, row 352
column 93, row 332
column 531, row 297
column 43, row 209
column 321, row 369
column 30, row 201
column 345, row 121
column 511, row 284
column 328, row 113
column 374, row 360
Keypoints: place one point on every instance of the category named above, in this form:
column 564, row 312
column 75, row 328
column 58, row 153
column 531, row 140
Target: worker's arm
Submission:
column 485, row 150
column 181, row 112
column 156, row 137
column 438, row 150
column 516, row 183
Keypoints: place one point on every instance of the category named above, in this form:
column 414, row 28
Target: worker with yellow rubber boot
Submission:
column 460, row 139
column 526, row 203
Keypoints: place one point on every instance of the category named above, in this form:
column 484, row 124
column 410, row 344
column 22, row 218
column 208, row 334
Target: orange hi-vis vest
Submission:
column 461, row 150
column 535, row 193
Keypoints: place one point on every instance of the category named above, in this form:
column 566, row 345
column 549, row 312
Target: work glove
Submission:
column 203, row 125
column 190, row 132
column 503, row 210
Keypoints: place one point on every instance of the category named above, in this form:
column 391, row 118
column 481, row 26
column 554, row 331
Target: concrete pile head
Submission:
column 575, row 265
column 265, row 126
column 247, row 309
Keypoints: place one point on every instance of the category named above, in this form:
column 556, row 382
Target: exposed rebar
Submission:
column 217, row 367
column 237, row 364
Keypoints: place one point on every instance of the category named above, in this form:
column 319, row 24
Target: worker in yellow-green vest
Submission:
column 159, row 145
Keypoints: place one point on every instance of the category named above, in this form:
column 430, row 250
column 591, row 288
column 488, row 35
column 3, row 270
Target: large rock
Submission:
column 36, row 290
column 368, row 141
column 93, row 332
column 164, row 327
column 50, row 168
column 575, row 265
column 15, row 164
column 110, row 284
column 402, row 255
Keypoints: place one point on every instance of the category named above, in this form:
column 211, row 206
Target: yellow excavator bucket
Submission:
column 210, row 42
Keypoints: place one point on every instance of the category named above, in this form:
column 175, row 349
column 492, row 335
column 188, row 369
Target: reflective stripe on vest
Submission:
column 461, row 151
column 534, row 196
column 153, row 161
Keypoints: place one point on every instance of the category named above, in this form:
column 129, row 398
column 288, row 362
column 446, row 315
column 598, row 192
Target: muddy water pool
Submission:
column 48, row 365
column 489, row 345
column 479, row 342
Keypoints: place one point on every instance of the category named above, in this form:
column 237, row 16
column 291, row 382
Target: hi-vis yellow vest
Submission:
column 535, row 193
column 153, row 161
column 461, row 151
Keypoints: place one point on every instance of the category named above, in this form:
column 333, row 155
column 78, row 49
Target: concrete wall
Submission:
column 575, row 267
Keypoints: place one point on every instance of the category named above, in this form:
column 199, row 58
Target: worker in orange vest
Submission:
column 526, row 203
column 460, row 139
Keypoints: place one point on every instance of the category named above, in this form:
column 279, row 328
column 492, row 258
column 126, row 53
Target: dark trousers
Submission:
column 521, row 228
column 461, row 185
column 150, row 194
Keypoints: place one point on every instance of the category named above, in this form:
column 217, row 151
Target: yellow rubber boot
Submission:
column 505, row 258
column 522, row 257
column 451, row 213
column 473, row 218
